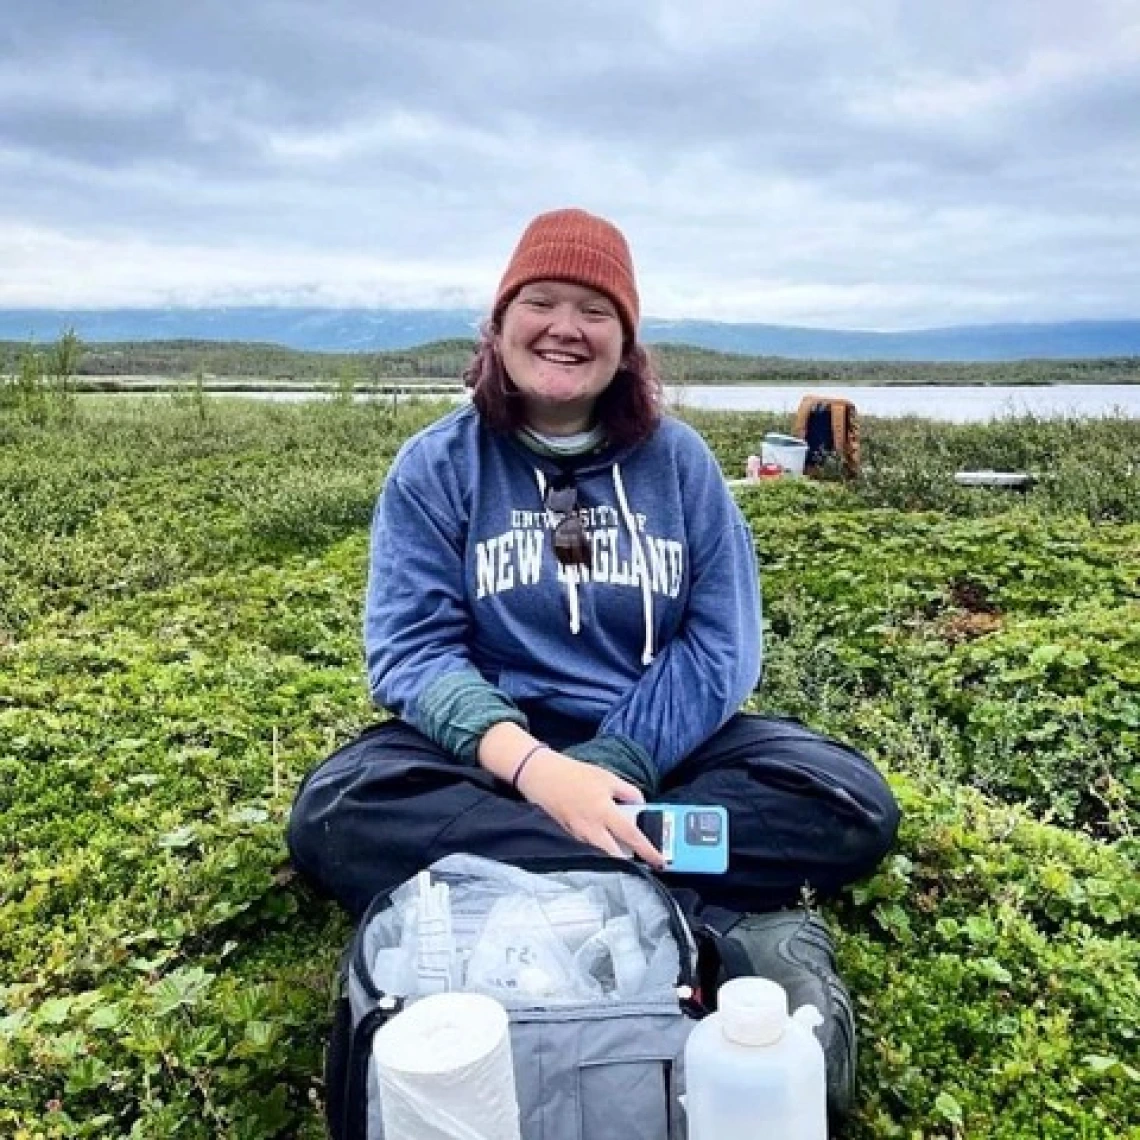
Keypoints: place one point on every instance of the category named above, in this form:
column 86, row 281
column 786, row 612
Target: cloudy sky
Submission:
column 843, row 163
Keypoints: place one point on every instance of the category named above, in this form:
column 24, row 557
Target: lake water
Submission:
column 959, row 403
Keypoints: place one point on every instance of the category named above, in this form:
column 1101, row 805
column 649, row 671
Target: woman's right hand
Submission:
column 581, row 797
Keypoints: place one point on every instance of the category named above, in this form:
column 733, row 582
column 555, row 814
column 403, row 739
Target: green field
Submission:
column 180, row 589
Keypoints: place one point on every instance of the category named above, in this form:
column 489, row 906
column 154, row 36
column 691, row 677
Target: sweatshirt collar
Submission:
column 563, row 447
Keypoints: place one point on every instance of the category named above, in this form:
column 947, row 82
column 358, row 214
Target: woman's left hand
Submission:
column 583, row 798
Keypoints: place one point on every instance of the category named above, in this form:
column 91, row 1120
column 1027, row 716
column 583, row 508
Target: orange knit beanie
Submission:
column 572, row 245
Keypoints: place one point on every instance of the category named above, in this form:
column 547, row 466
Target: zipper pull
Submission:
column 691, row 1004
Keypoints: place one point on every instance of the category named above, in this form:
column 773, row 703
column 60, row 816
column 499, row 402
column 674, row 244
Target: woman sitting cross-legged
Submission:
column 563, row 615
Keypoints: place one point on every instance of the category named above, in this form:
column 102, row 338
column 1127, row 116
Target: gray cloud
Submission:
column 876, row 164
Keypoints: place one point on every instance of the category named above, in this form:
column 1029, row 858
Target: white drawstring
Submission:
column 640, row 566
column 570, row 572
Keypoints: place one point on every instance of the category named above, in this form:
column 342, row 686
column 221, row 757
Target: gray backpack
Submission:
column 593, row 960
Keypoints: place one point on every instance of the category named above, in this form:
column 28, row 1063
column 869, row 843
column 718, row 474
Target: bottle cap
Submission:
column 754, row 1011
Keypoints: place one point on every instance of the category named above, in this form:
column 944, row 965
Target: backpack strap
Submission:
column 717, row 955
column 851, row 455
column 799, row 424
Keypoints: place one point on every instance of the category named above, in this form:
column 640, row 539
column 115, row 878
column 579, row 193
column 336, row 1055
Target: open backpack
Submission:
column 598, row 968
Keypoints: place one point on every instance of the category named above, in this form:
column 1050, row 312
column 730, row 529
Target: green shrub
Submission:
column 179, row 617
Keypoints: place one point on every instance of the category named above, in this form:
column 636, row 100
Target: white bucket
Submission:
column 786, row 451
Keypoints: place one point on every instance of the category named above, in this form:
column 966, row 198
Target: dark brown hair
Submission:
column 629, row 409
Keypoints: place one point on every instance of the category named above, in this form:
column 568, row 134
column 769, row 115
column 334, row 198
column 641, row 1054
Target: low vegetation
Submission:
column 180, row 582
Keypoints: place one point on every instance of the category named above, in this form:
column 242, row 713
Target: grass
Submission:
column 180, row 583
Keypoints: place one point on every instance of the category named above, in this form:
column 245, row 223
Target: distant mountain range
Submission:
column 372, row 330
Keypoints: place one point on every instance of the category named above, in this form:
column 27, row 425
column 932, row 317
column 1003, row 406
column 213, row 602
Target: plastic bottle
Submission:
column 754, row 1073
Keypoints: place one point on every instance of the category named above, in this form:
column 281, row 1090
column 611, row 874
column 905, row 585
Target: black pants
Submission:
column 803, row 810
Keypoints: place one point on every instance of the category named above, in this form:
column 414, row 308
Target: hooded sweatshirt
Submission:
column 468, row 612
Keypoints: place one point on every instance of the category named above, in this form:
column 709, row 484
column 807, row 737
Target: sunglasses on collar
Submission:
column 571, row 543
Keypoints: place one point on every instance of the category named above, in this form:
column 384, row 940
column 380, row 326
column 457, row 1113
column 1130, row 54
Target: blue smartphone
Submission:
column 692, row 838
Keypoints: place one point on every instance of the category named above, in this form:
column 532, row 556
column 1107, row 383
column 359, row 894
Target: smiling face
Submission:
column 561, row 345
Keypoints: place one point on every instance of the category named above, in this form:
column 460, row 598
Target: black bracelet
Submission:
column 522, row 765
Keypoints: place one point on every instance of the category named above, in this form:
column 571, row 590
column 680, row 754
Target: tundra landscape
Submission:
column 180, row 591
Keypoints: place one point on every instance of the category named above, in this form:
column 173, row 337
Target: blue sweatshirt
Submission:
column 468, row 612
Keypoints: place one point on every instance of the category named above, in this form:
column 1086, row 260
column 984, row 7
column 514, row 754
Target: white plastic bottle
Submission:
column 754, row 1073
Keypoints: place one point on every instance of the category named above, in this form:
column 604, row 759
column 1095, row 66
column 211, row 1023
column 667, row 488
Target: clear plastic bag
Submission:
column 520, row 955
column 570, row 937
